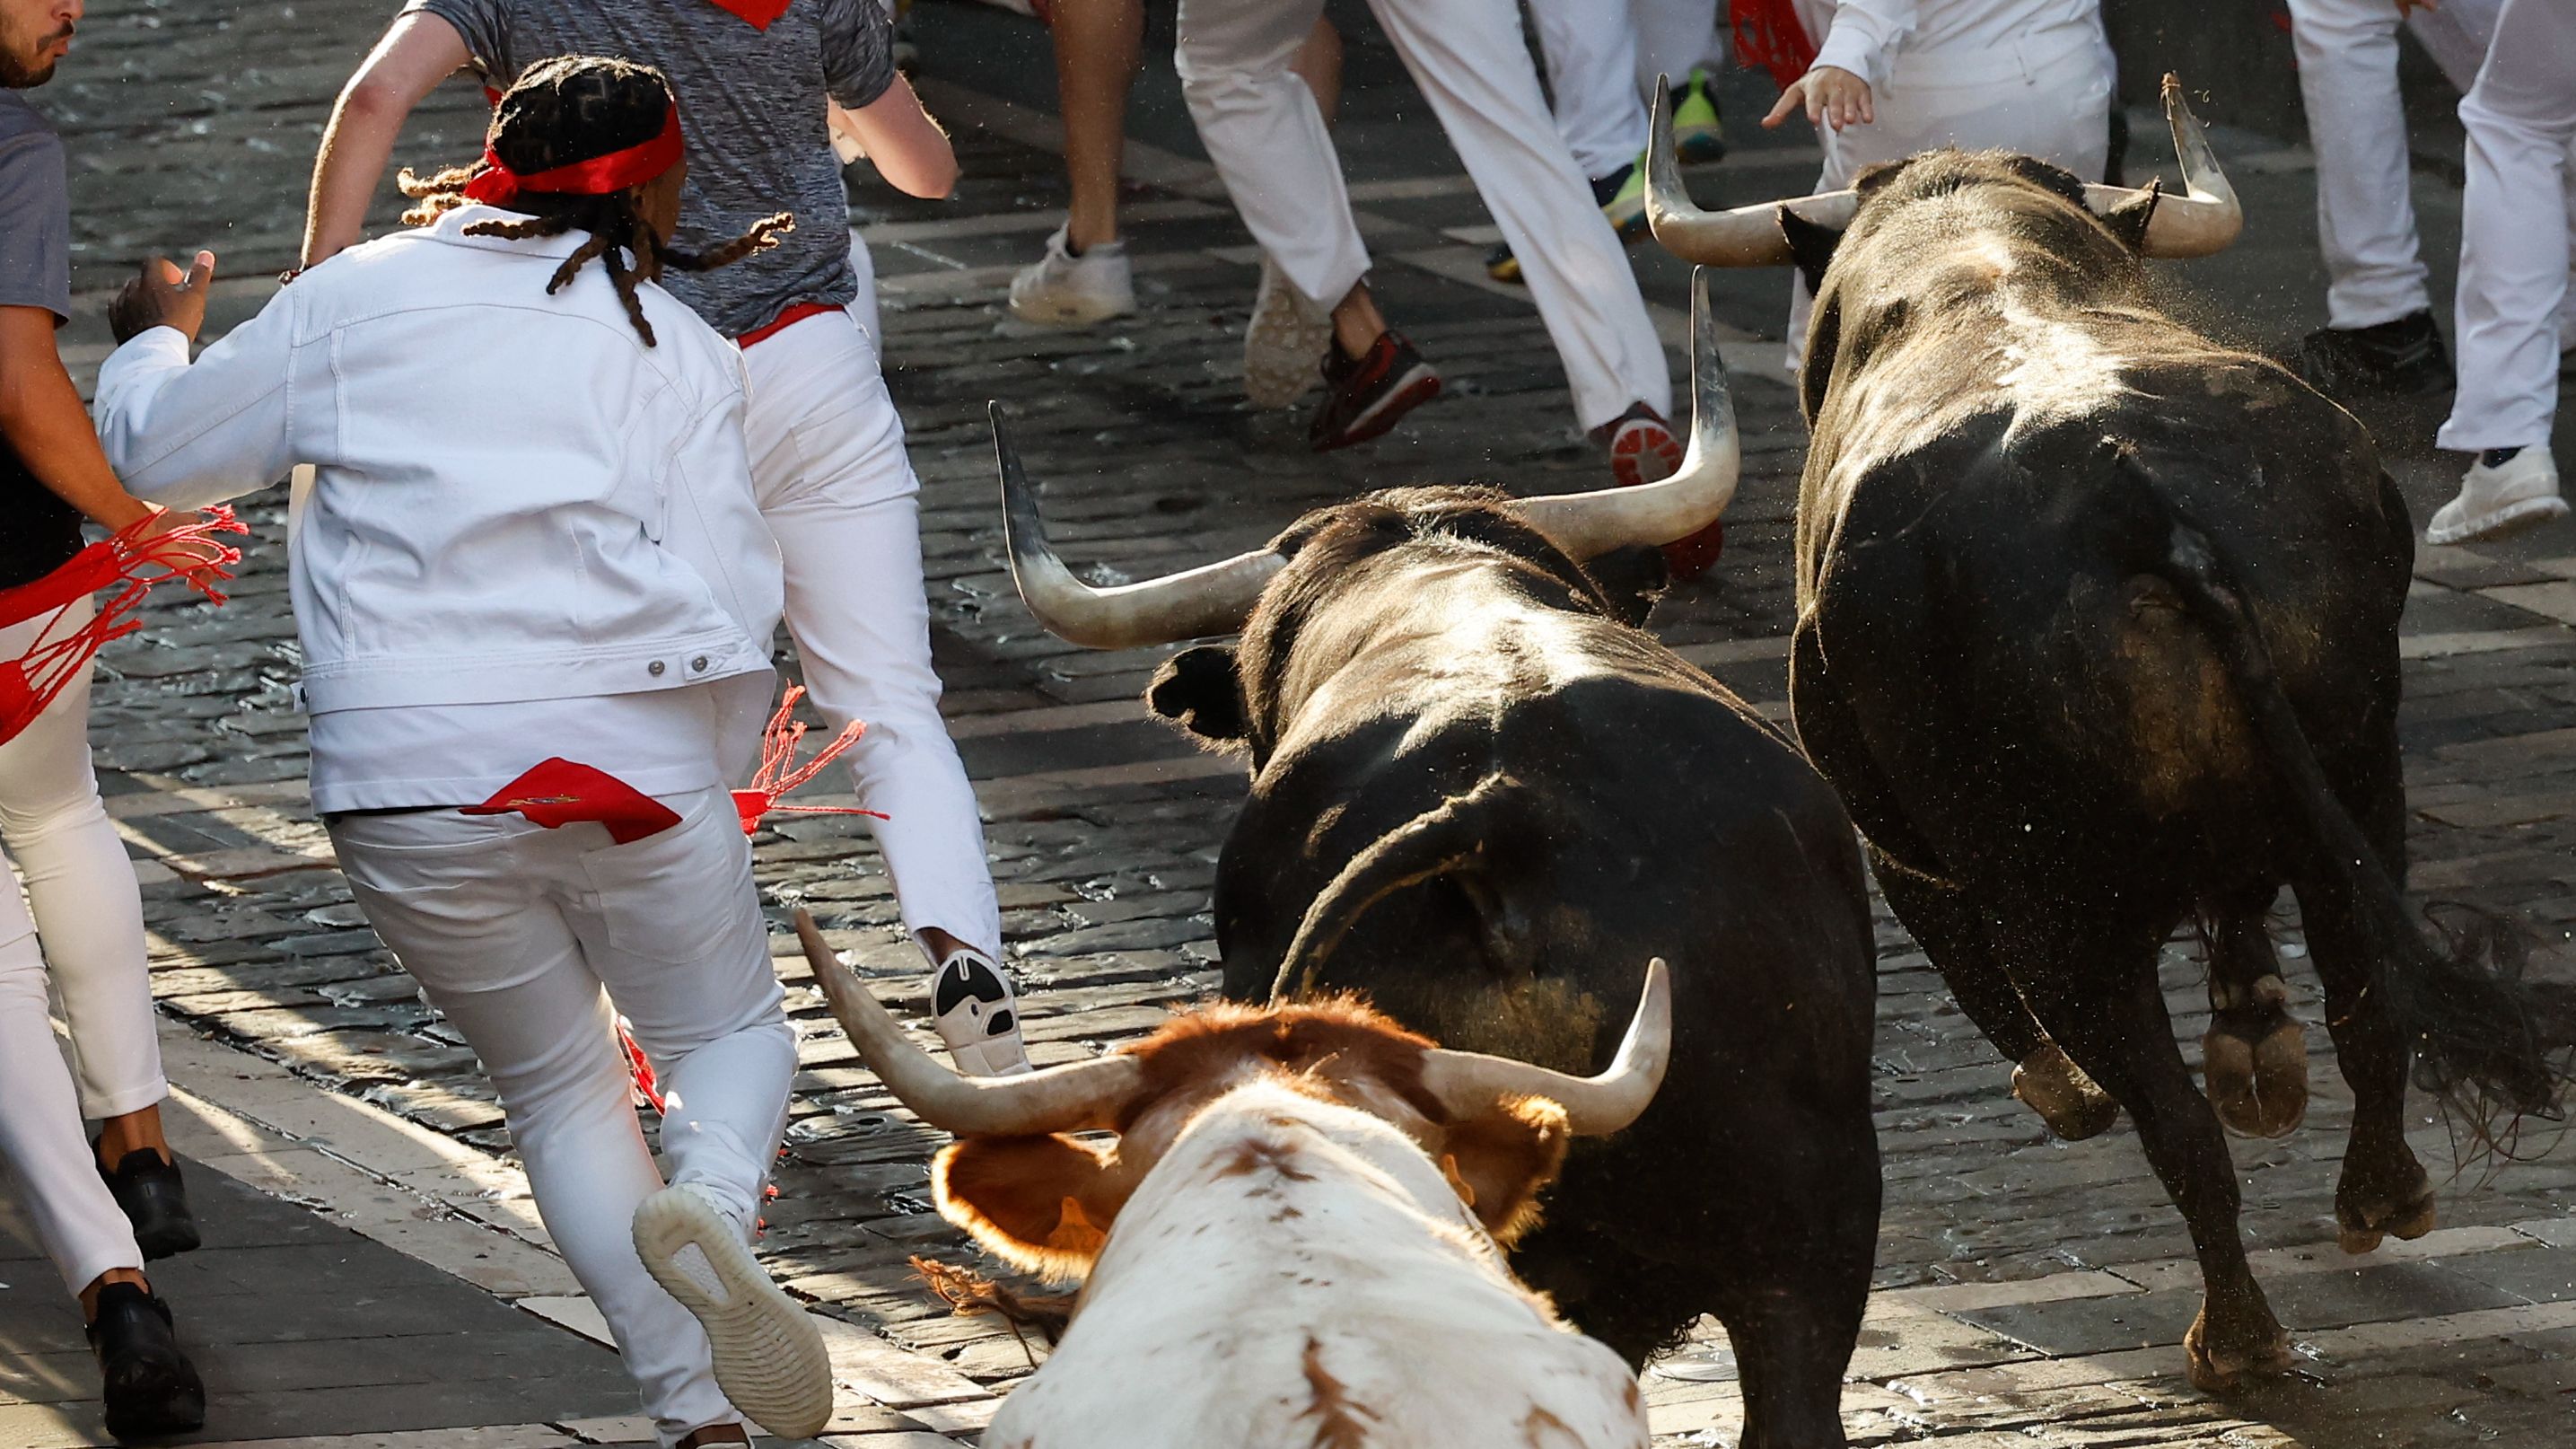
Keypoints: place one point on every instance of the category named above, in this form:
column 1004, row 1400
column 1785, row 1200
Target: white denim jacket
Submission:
column 513, row 497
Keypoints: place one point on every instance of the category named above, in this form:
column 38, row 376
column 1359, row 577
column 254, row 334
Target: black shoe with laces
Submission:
column 1363, row 396
column 2404, row 358
column 150, row 1387
column 155, row 1200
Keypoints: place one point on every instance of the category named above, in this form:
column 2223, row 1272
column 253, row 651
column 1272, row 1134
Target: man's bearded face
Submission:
column 34, row 35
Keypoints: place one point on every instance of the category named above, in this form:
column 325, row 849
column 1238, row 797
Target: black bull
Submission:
column 2098, row 629
column 1484, row 798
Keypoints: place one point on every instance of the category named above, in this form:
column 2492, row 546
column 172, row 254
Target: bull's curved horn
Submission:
column 1060, row 1099
column 1214, row 599
column 1469, row 1082
column 2202, row 221
column 1748, row 236
column 1589, row 524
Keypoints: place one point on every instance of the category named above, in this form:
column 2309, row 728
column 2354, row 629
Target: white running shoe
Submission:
column 1065, row 290
column 769, row 1357
column 1283, row 347
column 2520, row 493
column 978, row 1016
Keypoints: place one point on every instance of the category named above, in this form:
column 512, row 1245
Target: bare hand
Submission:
column 203, row 576
column 161, row 296
column 1829, row 95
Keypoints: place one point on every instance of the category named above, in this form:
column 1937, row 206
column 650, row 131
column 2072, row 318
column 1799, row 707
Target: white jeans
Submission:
column 1602, row 60
column 1263, row 131
column 2514, row 225
column 530, row 940
column 2049, row 96
column 838, row 492
column 90, row 918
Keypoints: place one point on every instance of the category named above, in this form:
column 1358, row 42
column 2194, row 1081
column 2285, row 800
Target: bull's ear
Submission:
column 1499, row 1159
column 1198, row 690
column 1039, row 1203
column 1810, row 246
column 2128, row 220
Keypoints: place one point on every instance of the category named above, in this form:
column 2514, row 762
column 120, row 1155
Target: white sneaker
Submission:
column 769, row 1357
column 2493, row 502
column 978, row 1016
column 1065, row 290
column 1283, row 348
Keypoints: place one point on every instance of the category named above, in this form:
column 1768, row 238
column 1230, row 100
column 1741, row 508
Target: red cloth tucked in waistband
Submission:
column 785, row 320
column 498, row 185
column 1767, row 34
column 558, row 792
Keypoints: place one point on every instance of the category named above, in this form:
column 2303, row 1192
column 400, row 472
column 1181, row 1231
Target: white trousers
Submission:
column 2048, row 96
column 1602, row 60
column 89, row 918
column 1262, row 129
column 2514, row 224
column 530, row 941
column 838, row 492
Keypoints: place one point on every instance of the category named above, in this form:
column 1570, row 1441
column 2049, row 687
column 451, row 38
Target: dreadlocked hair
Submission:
column 561, row 112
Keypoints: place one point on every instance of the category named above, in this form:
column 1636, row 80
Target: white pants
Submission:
column 1603, row 57
column 2514, row 225
column 91, row 918
column 2048, row 96
column 530, row 940
column 1263, row 131
column 838, row 492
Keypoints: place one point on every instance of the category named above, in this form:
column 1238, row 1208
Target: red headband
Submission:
column 497, row 185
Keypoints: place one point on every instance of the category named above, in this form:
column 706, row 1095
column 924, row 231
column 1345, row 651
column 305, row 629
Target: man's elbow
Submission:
column 372, row 100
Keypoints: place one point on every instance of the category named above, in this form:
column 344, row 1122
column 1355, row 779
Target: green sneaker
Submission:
column 1697, row 132
column 1622, row 197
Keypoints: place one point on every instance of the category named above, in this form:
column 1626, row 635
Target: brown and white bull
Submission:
column 1295, row 1242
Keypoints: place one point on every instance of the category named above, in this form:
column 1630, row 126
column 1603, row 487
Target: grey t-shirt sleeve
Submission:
column 35, row 224
column 480, row 24
column 858, row 50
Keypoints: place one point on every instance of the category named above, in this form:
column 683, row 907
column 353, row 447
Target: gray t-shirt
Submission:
column 751, row 106
column 35, row 212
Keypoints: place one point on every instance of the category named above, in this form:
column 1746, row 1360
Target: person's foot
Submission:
column 1285, row 339
column 769, row 1357
column 1064, row 289
column 2506, row 491
column 1698, row 135
column 978, row 1016
column 1622, row 197
column 155, row 1200
column 1643, row 450
column 2404, row 358
column 150, row 1387
column 701, row 1437
column 1364, row 396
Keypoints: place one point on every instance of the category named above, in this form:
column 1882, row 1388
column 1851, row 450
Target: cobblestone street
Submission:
column 2032, row 1292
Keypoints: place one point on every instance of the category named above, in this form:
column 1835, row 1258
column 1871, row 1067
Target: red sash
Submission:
column 1767, row 34
column 129, row 563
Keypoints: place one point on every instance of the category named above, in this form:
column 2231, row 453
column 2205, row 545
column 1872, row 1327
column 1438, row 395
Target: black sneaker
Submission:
column 1364, row 396
column 2404, row 358
column 150, row 1387
column 155, row 1201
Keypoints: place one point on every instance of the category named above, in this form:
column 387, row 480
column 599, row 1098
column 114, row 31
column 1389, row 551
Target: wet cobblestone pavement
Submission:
column 2033, row 1292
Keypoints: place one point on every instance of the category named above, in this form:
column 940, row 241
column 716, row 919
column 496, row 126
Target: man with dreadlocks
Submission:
column 827, row 450
column 530, row 529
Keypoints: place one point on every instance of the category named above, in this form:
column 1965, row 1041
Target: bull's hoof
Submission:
column 2257, row 1078
column 2070, row 1102
column 2364, row 1216
column 2218, row 1368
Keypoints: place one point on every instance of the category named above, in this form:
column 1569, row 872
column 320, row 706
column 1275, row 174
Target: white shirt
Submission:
column 1867, row 36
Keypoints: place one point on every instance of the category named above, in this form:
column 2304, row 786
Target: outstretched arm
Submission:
column 418, row 52
column 905, row 144
column 187, row 436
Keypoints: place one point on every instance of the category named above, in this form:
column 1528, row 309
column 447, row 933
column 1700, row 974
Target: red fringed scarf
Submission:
column 130, row 564
column 779, row 772
column 1767, row 34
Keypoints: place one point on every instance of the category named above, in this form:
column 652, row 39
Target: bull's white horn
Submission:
column 1589, row 524
column 2202, row 221
column 1214, row 599
column 1067, row 1098
column 1748, row 236
column 1469, row 1082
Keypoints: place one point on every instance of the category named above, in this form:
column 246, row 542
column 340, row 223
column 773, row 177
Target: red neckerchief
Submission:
column 497, row 185
column 759, row 13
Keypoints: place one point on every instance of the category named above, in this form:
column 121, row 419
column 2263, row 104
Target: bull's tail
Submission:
column 2479, row 1033
column 1456, row 838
